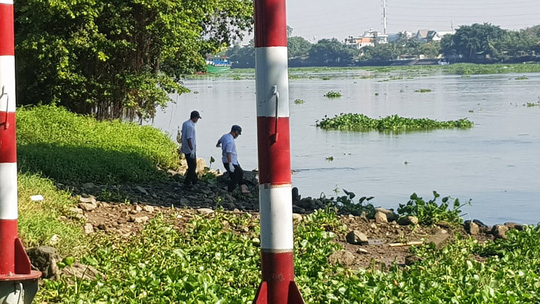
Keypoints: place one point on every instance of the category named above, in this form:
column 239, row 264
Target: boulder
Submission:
column 356, row 237
column 45, row 259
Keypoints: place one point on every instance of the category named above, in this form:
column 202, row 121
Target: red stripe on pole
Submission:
column 278, row 276
column 270, row 23
column 8, row 146
column 8, row 235
column 274, row 150
column 7, row 41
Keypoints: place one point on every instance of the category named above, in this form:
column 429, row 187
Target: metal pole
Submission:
column 273, row 135
column 17, row 279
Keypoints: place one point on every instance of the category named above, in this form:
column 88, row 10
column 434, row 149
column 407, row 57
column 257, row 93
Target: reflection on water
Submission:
column 496, row 163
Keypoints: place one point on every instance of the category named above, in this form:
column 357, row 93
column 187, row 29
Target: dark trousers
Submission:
column 191, row 173
column 236, row 177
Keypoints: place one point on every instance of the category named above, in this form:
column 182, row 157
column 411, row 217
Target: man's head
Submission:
column 236, row 130
column 195, row 116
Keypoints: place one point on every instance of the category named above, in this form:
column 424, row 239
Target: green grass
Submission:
column 40, row 222
column 393, row 123
column 68, row 147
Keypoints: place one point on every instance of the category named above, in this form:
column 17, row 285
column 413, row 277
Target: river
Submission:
column 496, row 164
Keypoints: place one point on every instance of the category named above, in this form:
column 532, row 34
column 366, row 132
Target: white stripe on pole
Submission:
column 6, row 1
column 271, row 69
column 8, row 191
column 7, row 84
column 276, row 217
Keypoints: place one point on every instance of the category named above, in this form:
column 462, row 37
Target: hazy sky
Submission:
column 317, row 19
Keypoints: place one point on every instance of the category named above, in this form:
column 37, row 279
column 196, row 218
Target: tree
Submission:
column 331, row 52
column 476, row 41
column 242, row 57
column 298, row 47
column 116, row 58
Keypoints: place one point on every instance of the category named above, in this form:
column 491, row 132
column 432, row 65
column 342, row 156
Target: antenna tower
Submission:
column 384, row 15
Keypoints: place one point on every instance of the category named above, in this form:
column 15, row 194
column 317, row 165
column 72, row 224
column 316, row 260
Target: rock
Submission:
column 138, row 219
column 499, row 231
column 483, row 227
column 471, row 227
column 142, row 190
column 88, row 228
column 408, row 220
column 356, row 237
column 390, row 215
column 149, row 209
column 87, row 206
column 297, row 217
column 380, row 218
column 90, row 199
column 87, row 203
column 45, row 259
column 438, row 239
column 362, row 250
column 205, row 210
column 343, row 257
column 512, row 225
column 80, row 272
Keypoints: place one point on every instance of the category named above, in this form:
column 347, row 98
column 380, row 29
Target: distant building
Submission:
column 431, row 35
column 368, row 38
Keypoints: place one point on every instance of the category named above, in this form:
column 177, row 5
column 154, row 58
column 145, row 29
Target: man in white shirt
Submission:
column 189, row 147
column 229, row 156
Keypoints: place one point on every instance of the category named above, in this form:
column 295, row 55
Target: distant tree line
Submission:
column 477, row 43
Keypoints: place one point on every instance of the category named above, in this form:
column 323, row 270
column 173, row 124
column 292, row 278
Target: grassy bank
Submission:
column 56, row 143
column 215, row 258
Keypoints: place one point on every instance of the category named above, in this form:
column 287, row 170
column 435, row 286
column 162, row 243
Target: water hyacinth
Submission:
column 360, row 122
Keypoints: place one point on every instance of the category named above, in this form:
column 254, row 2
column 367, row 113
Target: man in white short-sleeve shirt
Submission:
column 229, row 156
column 189, row 147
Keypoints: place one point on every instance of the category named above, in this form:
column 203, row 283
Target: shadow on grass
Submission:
column 86, row 164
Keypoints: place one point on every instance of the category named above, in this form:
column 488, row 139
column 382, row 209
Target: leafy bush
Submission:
column 345, row 204
column 430, row 212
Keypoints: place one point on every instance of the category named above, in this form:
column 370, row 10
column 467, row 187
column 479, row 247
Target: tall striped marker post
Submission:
column 273, row 135
column 18, row 282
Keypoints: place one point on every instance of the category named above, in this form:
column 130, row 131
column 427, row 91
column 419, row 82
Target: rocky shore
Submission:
column 123, row 210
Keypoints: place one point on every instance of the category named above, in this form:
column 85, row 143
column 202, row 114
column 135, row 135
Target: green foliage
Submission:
column 345, row 204
column 298, row 101
column 209, row 262
column 394, row 123
column 430, row 212
column 332, row 94
column 423, row 90
column 50, row 137
column 113, row 58
column 475, row 42
column 298, row 47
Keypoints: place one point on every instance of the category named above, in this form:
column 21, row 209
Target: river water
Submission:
column 496, row 164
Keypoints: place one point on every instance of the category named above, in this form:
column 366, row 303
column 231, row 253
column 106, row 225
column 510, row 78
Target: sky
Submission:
column 318, row 19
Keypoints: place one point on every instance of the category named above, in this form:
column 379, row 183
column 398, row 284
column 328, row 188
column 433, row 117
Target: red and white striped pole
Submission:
column 273, row 135
column 18, row 282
